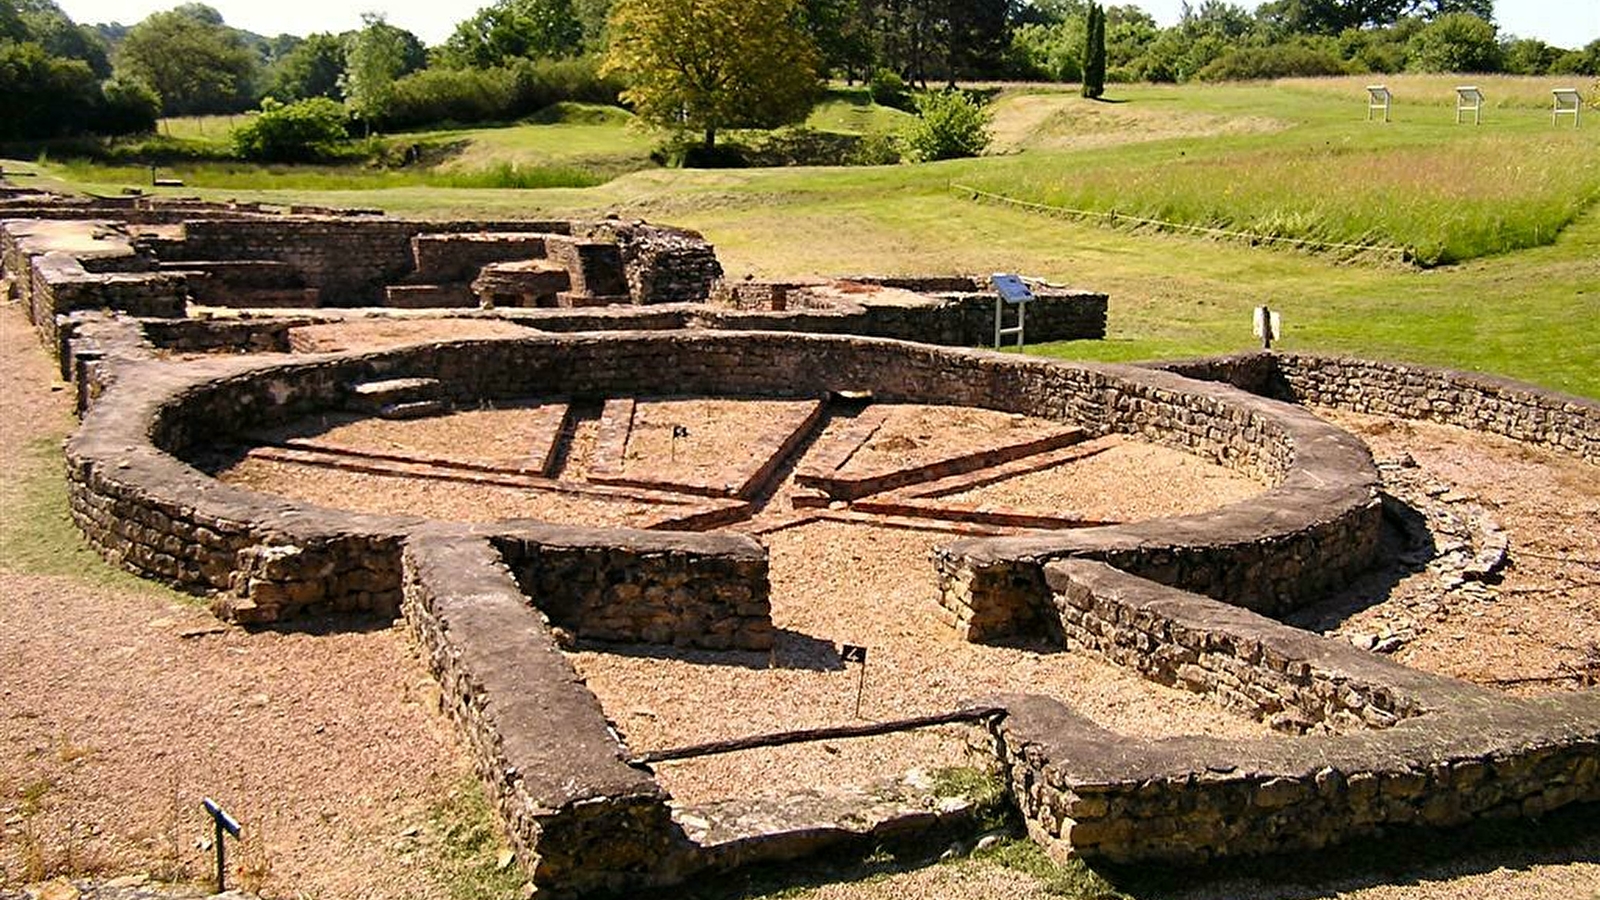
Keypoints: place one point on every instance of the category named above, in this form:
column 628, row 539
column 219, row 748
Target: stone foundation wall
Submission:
column 348, row 260
column 580, row 818
column 707, row 591
column 1315, row 528
column 950, row 321
column 230, row 335
column 662, row 265
column 1293, row 679
column 1467, row 399
column 1105, row 796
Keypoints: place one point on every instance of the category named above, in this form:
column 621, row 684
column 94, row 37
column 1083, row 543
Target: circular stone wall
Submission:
column 142, row 505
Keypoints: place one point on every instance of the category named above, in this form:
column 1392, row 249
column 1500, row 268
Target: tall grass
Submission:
column 251, row 177
column 1445, row 203
column 1499, row 91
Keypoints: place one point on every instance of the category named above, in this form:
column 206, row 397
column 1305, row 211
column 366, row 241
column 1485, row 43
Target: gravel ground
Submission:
column 836, row 583
column 720, row 440
column 1543, row 618
column 380, row 332
column 502, row 435
column 913, row 434
column 327, row 746
column 449, row 500
column 1167, row 483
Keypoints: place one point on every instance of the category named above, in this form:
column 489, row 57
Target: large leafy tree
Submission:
column 706, row 65
column 374, row 57
column 51, row 72
column 513, row 29
column 312, row 69
column 196, row 63
column 1456, row 42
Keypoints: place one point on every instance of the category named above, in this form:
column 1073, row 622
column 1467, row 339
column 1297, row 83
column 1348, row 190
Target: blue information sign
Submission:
column 1011, row 288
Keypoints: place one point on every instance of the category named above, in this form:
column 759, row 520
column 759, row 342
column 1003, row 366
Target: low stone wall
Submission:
column 580, row 818
column 708, row 591
column 1312, row 531
column 965, row 320
column 230, row 335
column 1293, row 679
column 348, row 260
column 1087, row 792
column 1420, row 750
column 1472, row 400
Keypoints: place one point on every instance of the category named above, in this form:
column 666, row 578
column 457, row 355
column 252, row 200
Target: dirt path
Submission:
column 113, row 723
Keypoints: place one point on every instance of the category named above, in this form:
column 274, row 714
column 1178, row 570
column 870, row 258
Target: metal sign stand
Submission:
column 1378, row 98
column 1568, row 102
column 224, row 823
column 1469, row 100
column 1012, row 290
column 849, row 653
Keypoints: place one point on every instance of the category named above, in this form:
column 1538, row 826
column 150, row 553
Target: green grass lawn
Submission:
column 1527, row 305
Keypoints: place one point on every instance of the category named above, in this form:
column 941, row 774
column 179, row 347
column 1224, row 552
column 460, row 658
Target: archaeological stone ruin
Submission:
column 181, row 326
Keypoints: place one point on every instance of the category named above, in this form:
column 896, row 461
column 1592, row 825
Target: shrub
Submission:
column 495, row 95
column 949, row 125
column 888, row 89
column 304, row 131
column 451, row 95
column 1276, row 61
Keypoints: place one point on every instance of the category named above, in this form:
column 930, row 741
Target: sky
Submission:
column 1564, row 23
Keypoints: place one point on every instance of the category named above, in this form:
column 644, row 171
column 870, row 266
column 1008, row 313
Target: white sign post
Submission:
column 1568, row 102
column 1378, row 97
column 1469, row 99
column 1012, row 292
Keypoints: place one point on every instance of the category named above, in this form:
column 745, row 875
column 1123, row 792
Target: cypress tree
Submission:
column 1094, row 53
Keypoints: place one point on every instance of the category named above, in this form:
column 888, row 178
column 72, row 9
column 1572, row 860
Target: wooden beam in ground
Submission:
column 843, row 487
column 778, row 739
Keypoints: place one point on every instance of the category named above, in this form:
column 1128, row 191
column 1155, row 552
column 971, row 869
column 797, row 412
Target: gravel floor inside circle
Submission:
column 838, row 583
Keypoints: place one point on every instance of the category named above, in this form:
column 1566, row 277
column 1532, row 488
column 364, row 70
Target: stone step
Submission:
column 413, row 409
column 378, row 396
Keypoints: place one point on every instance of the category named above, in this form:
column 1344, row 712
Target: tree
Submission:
column 312, row 69
column 975, row 33
column 194, row 62
column 43, row 95
column 513, row 29
column 52, row 29
column 1094, row 54
column 1456, row 42
column 592, row 17
column 374, row 57
column 706, row 65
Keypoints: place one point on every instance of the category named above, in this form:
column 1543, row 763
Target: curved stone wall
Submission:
column 1162, row 596
column 1317, row 523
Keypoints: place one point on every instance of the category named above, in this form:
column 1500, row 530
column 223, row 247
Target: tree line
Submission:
column 512, row 57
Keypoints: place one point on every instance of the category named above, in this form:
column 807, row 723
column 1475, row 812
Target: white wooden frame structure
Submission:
column 1469, row 100
column 1568, row 102
column 1378, row 97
